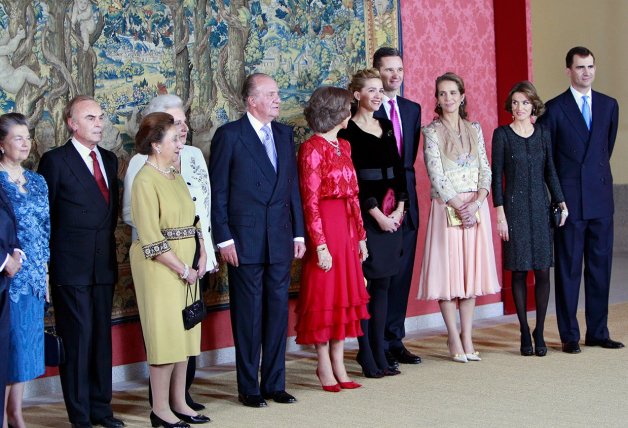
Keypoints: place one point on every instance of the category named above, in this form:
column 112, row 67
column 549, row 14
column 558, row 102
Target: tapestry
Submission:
column 125, row 52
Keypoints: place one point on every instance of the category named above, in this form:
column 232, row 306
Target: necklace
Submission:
column 17, row 181
column 165, row 172
column 334, row 144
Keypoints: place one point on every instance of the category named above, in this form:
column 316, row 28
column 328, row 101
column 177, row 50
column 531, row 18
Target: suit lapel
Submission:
column 255, row 146
column 76, row 164
column 408, row 132
column 574, row 115
column 596, row 112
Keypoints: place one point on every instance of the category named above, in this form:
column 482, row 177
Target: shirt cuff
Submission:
column 4, row 263
column 225, row 244
column 299, row 239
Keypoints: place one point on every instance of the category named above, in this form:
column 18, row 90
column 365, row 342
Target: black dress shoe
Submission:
column 156, row 421
column 196, row 419
column 571, row 347
column 81, row 425
column 281, row 397
column 604, row 343
column 195, row 406
column 392, row 361
column 109, row 422
column 389, row 372
column 252, row 400
column 405, row 357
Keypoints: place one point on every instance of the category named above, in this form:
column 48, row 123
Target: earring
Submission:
column 513, row 117
column 437, row 105
column 158, row 150
column 2, row 150
column 462, row 102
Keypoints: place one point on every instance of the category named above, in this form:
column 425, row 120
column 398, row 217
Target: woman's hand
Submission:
column 564, row 214
column 364, row 252
column 502, row 224
column 466, row 212
column 324, row 257
column 192, row 276
column 202, row 264
column 397, row 216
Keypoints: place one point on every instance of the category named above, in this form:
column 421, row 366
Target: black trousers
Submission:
column 400, row 289
column 259, row 320
column 4, row 342
column 83, row 317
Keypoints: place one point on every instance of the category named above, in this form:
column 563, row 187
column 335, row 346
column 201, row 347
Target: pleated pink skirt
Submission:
column 457, row 262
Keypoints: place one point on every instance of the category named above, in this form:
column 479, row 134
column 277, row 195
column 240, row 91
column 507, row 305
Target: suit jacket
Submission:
column 410, row 113
column 582, row 157
column 82, row 241
column 258, row 208
column 8, row 234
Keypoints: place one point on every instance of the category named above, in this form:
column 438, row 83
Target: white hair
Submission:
column 161, row 103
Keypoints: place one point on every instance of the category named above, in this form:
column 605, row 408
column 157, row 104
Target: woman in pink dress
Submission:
column 333, row 298
column 459, row 261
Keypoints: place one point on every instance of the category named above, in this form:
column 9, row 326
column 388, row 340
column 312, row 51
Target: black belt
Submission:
column 376, row 173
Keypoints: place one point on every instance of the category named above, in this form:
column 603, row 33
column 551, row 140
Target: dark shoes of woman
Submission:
column 369, row 368
column 539, row 345
column 526, row 345
column 156, row 421
column 195, row 419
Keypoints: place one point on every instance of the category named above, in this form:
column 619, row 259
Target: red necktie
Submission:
column 394, row 118
column 100, row 179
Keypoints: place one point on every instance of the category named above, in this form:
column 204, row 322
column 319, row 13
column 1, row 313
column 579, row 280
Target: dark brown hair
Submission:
column 153, row 127
column 580, row 51
column 69, row 108
column 384, row 52
column 451, row 77
column 527, row 89
column 328, row 106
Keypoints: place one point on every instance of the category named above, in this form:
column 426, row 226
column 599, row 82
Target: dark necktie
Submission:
column 100, row 179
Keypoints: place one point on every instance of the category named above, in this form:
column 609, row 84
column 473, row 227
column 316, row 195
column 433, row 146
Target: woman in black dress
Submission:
column 522, row 157
column 382, row 200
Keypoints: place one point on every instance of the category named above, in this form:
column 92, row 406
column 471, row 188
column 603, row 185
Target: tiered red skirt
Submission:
column 331, row 304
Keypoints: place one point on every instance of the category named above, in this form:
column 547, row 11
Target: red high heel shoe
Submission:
column 349, row 385
column 328, row 388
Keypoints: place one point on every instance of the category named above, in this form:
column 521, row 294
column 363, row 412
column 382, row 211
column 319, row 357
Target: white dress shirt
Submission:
column 85, row 155
column 578, row 97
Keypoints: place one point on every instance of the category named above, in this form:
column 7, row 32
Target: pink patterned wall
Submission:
column 440, row 36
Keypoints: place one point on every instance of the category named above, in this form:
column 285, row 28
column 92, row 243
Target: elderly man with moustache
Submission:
column 83, row 193
column 258, row 226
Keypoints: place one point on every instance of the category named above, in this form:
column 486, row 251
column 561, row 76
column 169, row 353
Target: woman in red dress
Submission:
column 333, row 298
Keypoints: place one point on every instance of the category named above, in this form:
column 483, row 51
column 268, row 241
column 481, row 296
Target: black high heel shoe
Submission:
column 539, row 345
column 370, row 370
column 526, row 345
column 192, row 419
column 156, row 421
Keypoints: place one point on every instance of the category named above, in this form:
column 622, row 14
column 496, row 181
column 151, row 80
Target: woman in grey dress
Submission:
column 522, row 157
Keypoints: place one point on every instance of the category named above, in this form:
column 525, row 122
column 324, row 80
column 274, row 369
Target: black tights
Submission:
column 372, row 356
column 541, row 296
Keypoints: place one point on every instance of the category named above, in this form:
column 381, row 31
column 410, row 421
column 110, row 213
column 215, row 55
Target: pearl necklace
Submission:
column 165, row 172
column 17, row 181
column 334, row 144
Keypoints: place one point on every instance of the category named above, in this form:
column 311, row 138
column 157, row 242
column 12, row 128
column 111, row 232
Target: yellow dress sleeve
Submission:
column 145, row 215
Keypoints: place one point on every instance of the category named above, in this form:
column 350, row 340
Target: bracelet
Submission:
column 501, row 221
column 321, row 249
column 478, row 203
column 564, row 213
column 186, row 272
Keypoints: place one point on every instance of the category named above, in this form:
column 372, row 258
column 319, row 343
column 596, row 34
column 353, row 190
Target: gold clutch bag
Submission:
column 452, row 217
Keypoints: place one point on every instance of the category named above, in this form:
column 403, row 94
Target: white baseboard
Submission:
column 50, row 388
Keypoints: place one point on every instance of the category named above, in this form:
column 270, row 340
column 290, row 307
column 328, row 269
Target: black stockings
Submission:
column 372, row 356
column 541, row 296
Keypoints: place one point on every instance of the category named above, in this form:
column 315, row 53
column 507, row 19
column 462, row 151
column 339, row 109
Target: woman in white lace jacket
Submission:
column 458, row 261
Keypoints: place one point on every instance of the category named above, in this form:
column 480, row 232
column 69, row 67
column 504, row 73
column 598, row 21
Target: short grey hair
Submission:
column 161, row 103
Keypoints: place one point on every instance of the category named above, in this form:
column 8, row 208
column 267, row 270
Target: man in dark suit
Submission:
column 10, row 264
column 83, row 192
column 406, row 118
column 583, row 126
column 258, row 226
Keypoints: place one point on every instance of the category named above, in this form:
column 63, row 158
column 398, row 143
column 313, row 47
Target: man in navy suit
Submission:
column 83, row 191
column 407, row 114
column 10, row 264
column 583, row 126
column 257, row 224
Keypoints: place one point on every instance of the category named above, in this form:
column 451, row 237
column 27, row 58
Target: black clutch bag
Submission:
column 194, row 313
column 54, row 351
column 556, row 213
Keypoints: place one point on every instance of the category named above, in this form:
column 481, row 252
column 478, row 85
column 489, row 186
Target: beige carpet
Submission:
column 505, row 389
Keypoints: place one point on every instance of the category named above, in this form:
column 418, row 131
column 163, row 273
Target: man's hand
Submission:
column 229, row 255
column 299, row 250
column 14, row 264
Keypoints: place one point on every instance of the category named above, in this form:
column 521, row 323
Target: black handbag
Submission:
column 556, row 213
column 194, row 313
column 54, row 351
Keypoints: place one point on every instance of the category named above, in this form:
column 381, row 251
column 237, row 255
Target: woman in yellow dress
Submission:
column 163, row 212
